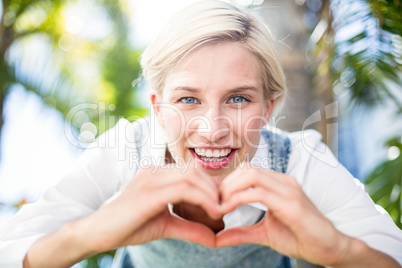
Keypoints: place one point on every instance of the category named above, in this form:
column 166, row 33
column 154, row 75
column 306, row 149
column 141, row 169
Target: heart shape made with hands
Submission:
column 223, row 237
column 192, row 213
column 292, row 225
column 197, row 214
column 256, row 212
column 289, row 210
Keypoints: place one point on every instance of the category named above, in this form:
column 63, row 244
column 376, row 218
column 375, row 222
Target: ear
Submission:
column 155, row 100
column 269, row 107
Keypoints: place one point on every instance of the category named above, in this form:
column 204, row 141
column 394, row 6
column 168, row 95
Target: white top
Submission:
column 109, row 164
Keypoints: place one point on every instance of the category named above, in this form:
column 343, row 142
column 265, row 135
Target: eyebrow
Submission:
column 189, row 89
column 234, row 90
column 243, row 88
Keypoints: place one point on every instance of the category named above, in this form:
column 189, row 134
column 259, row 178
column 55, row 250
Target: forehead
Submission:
column 216, row 67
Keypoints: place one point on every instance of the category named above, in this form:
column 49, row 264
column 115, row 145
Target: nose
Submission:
column 213, row 126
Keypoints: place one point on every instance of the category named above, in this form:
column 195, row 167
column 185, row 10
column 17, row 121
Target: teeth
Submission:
column 212, row 159
column 224, row 152
column 212, row 153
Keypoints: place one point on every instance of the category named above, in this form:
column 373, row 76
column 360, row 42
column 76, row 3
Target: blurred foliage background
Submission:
column 356, row 46
column 43, row 49
column 359, row 47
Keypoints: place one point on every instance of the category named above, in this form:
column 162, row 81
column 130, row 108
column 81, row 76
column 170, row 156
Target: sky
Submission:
column 154, row 14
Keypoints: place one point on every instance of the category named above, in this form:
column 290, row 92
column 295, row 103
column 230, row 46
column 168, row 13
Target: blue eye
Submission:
column 189, row 100
column 238, row 99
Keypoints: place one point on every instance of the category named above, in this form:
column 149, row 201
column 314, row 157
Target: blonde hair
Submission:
column 207, row 22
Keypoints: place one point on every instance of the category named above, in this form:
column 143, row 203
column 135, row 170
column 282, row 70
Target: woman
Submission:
column 202, row 172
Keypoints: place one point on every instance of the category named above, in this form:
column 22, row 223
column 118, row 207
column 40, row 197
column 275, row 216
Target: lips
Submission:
column 212, row 158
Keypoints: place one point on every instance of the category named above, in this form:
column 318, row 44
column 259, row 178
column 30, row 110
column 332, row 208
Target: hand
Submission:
column 140, row 213
column 292, row 225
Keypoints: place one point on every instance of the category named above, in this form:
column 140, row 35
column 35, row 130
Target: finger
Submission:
column 201, row 182
column 191, row 231
column 254, row 178
column 198, row 179
column 184, row 192
column 278, row 238
column 273, row 201
column 244, row 197
column 241, row 235
column 152, row 181
column 292, row 212
column 241, row 178
column 202, row 177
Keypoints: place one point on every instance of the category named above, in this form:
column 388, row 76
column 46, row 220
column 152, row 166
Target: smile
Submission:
column 213, row 158
column 213, row 155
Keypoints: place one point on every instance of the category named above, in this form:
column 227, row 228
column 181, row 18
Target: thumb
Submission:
column 191, row 231
column 239, row 235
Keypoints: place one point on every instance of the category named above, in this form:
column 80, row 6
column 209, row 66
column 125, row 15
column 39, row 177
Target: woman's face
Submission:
column 212, row 108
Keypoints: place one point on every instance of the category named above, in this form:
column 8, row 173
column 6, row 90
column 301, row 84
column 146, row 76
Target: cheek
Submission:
column 253, row 133
column 251, row 124
column 174, row 125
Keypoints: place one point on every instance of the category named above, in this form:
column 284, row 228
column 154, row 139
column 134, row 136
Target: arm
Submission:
column 68, row 212
column 331, row 196
column 293, row 225
column 63, row 247
column 59, row 205
column 101, row 231
column 78, row 194
column 360, row 254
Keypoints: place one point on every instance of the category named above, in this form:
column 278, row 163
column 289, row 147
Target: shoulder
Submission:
column 302, row 148
column 308, row 152
column 115, row 152
column 322, row 177
column 308, row 138
column 315, row 167
column 122, row 137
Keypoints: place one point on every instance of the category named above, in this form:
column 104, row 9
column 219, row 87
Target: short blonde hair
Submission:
column 206, row 22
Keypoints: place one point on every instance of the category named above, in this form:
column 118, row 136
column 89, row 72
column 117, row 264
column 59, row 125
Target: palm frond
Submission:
column 365, row 52
column 385, row 183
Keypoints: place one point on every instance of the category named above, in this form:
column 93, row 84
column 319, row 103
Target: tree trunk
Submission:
column 7, row 36
column 1, row 120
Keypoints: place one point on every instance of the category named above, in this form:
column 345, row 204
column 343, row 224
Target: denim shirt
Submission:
column 179, row 253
